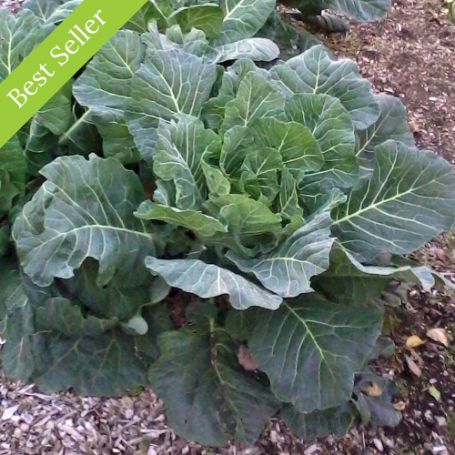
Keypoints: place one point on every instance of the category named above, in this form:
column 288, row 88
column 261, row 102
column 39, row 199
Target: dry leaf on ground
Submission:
column 439, row 335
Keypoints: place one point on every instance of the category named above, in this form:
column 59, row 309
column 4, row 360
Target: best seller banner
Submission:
column 55, row 61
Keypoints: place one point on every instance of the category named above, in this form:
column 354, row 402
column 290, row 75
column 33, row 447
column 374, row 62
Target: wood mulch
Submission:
column 411, row 55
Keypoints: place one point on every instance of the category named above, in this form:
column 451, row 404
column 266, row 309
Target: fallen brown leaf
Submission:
column 439, row 335
column 413, row 367
column 414, row 341
column 246, row 359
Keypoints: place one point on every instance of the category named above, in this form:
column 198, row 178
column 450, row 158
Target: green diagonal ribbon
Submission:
column 55, row 61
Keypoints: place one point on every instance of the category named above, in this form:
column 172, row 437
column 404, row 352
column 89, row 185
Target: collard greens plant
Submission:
column 222, row 232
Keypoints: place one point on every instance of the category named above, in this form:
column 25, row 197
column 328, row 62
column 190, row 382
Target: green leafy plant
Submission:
column 222, row 232
column 359, row 10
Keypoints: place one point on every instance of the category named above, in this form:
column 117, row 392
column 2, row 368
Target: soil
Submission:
column 411, row 55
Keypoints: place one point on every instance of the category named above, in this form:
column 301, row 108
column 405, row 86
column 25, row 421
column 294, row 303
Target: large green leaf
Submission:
column 168, row 83
column 391, row 124
column 51, row 341
column 200, row 224
column 331, row 126
column 12, row 294
column 287, row 270
column 315, row 71
column 349, row 281
column 56, row 115
column 105, row 85
column 318, row 424
column 311, row 348
column 257, row 49
column 408, row 200
column 207, row 396
column 178, row 158
column 51, row 12
column 85, row 209
column 18, row 36
column 105, row 89
column 210, row 280
column 243, row 18
column 208, row 18
column 362, row 10
column 120, row 299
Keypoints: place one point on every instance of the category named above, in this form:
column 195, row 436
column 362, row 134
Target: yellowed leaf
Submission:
column 439, row 335
column 372, row 390
column 414, row 341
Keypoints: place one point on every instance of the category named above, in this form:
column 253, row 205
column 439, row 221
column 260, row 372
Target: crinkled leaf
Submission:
column 178, row 159
column 287, row 270
column 245, row 218
column 84, row 209
column 210, row 280
column 259, row 172
column 315, row 71
column 298, row 148
column 331, row 126
column 407, row 201
column 311, row 348
column 168, row 83
column 256, row 99
column 207, row 397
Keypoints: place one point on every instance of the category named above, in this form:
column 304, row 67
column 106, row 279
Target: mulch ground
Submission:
column 410, row 55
